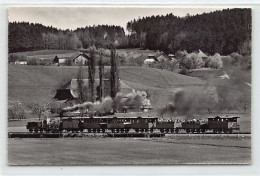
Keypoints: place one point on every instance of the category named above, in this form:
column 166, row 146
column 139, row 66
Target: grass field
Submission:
column 45, row 52
column 109, row 151
column 39, row 83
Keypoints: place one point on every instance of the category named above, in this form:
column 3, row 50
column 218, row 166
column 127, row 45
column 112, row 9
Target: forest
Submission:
column 222, row 32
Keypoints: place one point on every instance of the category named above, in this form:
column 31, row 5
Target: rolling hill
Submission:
column 39, row 83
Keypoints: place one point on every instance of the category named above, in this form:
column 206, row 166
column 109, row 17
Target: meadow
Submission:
column 125, row 151
column 39, row 83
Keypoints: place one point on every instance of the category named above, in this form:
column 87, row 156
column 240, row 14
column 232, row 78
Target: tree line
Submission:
column 221, row 32
column 24, row 36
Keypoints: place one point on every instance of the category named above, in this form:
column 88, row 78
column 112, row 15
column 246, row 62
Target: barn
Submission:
column 20, row 62
column 69, row 91
column 80, row 59
column 202, row 55
column 157, row 58
column 58, row 60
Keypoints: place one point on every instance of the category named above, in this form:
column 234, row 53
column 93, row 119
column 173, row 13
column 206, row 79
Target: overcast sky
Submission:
column 74, row 17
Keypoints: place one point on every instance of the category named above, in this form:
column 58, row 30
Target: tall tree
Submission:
column 101, row 76
column 114, row 78
column 91, row 75
column 80, row 84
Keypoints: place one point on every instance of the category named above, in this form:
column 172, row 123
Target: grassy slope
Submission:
column 38, row 83
column 45, row 52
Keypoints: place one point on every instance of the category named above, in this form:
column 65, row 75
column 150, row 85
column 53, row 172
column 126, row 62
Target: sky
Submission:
column 76, row 17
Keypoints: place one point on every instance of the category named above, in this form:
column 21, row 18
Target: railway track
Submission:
column 86, row 134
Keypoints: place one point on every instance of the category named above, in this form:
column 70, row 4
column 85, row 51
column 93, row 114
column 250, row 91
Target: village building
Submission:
column 20, row 62
column 202, row 55
column 160, row 57
column 58, row 60
column 70, row 90
column 75, row 59
column 80, row 59
column 172, row 56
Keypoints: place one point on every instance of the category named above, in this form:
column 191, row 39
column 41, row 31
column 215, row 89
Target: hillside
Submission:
column 38, row 83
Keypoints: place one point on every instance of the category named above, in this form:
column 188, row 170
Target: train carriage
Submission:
column 115, row 124
column 92, row 124
column 165, row 126
column 70, row 124
column 226, row 125
column 143, row 124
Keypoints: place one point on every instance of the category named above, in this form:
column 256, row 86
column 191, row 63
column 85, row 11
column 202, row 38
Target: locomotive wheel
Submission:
column 166, row 130
column 230, row 131
column 94, row 130
column 89, row 130
column 162, row 130
column 214, row 131
column 103, row 130
column 177, row 130
column 136, row 130
column 30, row 130
column 188, row 130
column 151, row 130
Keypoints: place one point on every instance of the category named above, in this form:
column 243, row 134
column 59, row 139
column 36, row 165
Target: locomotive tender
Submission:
column 136, row 124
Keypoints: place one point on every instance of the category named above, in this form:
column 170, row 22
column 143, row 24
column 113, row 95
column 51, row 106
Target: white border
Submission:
column 253, row 169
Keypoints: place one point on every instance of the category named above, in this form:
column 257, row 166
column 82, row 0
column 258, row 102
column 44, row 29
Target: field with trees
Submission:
column 219, row 82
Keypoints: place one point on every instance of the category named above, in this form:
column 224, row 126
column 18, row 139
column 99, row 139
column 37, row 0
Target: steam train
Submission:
column 138, row 124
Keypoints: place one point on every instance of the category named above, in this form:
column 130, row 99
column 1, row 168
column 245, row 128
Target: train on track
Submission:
column 118, row 124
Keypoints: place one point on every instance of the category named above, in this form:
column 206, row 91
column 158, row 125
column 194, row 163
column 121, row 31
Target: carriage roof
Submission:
column 109, row 117
column 223, row 117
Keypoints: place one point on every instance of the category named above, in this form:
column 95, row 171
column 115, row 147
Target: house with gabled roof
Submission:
column 80, row 59
column 69, row 91
column 202, row 55
column 157, row 58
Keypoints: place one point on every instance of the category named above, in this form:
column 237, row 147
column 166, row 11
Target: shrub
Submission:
column 227, row 60
column 32, row 61
column 214, row 61
column 16, row 112
column 183, row 71
column 235, row 57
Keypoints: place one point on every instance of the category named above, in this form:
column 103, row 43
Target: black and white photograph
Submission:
column 129, row 86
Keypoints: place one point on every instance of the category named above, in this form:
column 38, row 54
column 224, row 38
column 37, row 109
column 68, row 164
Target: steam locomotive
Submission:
column 121, row 124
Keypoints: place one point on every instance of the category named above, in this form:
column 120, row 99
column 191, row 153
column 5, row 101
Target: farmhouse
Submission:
column 202, row 55
column 58, row 60
column 75, row 59
column 157, row 58
column 70, row 90
column 80, row 58
column 21, row 62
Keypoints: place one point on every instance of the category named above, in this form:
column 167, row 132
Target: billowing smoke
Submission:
column 219, row 94
column 190, row 101
column 120, row 101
